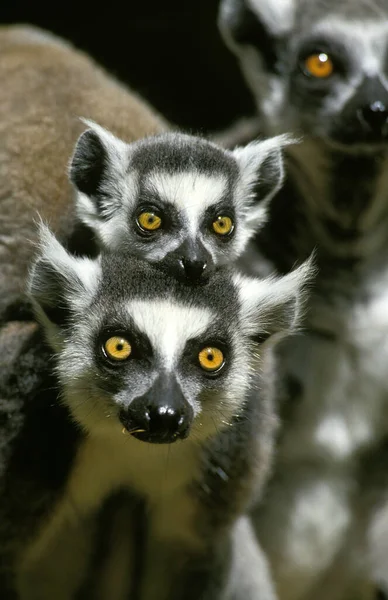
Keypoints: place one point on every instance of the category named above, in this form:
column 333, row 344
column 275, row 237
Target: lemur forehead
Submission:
column 177, row 153
column 170, row 325
column 125, row 279
column 190, row 191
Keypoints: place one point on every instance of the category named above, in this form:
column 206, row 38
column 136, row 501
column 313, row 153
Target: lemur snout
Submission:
column 190, row 261
column 193, row 269
column 374, row 117
column 161, row 416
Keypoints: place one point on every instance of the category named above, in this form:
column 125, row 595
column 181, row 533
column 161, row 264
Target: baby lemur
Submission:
column 320, row 69
column 173, row 198
column 162, row 392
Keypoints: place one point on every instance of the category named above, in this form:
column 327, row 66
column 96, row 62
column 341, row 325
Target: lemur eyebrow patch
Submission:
column 188, row 188
column 169, row 325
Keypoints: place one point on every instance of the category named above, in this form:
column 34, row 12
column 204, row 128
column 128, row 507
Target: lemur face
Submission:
column 140, row 350
column 316, row 68
column 175, row 199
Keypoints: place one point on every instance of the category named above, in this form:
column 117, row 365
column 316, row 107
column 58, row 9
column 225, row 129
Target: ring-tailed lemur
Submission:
column 320, row 69
column 175, row 199
column 157, row 381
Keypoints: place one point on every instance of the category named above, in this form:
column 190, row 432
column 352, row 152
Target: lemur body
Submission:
column 320, row 70
column 137, row 349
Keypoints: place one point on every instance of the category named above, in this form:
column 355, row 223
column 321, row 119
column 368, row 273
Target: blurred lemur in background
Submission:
column 320, row 70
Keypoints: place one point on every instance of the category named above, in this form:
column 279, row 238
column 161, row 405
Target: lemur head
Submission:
column 139, row 349
column 319, row 68
column 175, row 199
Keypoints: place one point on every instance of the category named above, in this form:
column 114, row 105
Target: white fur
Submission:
column 191, row 193
column 81, row 276
column 169, row 326
column 249, row 159
column 82, row 271
column 278, row 16
column 116, row 148
column 261, row 298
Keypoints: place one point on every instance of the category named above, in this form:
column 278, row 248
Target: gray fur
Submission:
column 333, row 391
column 187, row 181
column 195, row 490
column 288, row 101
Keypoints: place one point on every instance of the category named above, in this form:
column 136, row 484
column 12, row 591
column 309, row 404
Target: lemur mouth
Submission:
column 126, row 431
column 155, row 433
column 145, row 436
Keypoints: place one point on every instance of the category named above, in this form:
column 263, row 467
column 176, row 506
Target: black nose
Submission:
column 193, row 269
column 165, row 423
column 161, row 416
column 374, row 117
column 155, row 424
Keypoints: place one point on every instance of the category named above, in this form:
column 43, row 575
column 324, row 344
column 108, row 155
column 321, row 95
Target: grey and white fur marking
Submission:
column 196, row 490
column 187, row 182
column 335, row 387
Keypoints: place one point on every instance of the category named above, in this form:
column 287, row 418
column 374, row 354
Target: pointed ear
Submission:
column 256, row 23
column 261, row 165
column 274, row 306
column 98, row 161
column 60, row 284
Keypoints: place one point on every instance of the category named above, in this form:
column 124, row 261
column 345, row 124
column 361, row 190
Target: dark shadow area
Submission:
column 168, row 50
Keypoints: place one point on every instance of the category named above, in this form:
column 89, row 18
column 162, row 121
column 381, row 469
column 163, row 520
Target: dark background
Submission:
column 168, row 50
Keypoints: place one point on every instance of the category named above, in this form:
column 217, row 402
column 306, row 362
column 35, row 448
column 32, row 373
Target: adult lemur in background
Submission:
column 320, row 69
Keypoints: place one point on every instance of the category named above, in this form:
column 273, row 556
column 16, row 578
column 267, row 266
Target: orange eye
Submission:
column 149, row 221
column 117, row 348
column 223, row 225
column 319, row 65
column 211, row 359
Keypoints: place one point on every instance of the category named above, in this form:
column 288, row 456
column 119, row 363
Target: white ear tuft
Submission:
column 275, row 16
column 98, row 163
column 113, row 144
column 262, row 173
column 59, row 283
column 274, row 305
